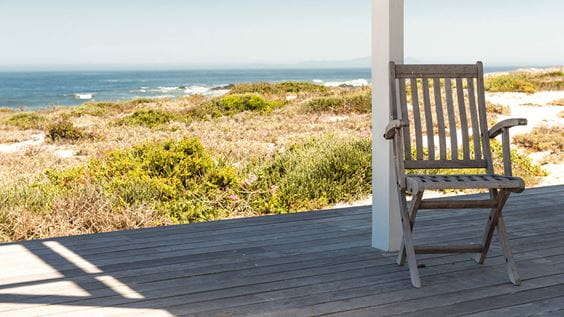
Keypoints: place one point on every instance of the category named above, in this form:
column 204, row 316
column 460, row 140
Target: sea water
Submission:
column 41, row 89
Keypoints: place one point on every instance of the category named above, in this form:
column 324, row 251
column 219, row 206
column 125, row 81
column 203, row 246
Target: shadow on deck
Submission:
column 290, row 265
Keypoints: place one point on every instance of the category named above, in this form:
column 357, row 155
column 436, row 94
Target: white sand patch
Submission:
column 534, row 107
column 64, row 153
column 334, row 118
column 36, row 139
column 555, row 175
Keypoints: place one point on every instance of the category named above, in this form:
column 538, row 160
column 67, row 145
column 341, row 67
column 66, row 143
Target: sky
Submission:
column 60, row 33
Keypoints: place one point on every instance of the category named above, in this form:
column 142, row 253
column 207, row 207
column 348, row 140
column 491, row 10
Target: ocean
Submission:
column 42, row 89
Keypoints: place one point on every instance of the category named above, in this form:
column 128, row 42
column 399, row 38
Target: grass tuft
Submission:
column 64, row 131
column 147, row 118
column 232, row 104
column 527, row 82
column 27, row 120
column 277, row 88
column 355, row 103
column 497, row 109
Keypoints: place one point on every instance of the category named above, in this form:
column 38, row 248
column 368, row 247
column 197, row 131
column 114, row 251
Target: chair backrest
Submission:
column 444, row 106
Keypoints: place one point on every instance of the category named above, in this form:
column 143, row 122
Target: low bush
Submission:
column 232, row 104
column 312, row 175
column 510, row 83
column 277, row 88
column 40, row 210
column 27, row 120
column 359, row 103
column 543, row 138
column 64, row 130
column 528, row 82
column 106, row 108
column 551, row 80
column 147, row 118
column 98, row 109
column 497, row 109
column 178, row 178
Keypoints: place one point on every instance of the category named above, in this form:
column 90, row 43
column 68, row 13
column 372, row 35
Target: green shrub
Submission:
column 528, row 82
column 64, row 131
column 27, row 120
column 232, row 104
column 360, row 103
column 179, row 178
column 521, row 164
column 147, row 118
column 314, row 174
column 510, row 83
column 98, row 109
column 106, row 108
column 277, row 88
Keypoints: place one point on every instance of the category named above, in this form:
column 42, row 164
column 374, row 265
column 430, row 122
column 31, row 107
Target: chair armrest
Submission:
column 393, row 127
column 503, row 129
column 505, row 124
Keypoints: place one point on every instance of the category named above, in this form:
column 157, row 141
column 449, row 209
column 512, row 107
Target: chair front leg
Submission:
column 501, row 198
column 415, row 203
column 506, row 248
column 408, row 241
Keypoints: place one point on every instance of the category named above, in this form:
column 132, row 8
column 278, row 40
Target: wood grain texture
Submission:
column 440, row 119
column 303, row 264
column 417, row 119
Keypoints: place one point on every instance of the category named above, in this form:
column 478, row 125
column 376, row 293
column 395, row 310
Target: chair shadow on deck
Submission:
column 287, row 265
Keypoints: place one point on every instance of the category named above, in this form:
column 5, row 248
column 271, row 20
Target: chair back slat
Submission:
column 404, row 115
column 428, row 120
column 463, row 119
column 417, row 119
column 434, row 115
column 483, row 118
column 453, row 131
column 440, row 118
column 474, row 118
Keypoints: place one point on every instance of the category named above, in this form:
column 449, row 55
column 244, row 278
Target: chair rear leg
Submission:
column 509, row 261
column 501, row 198
column 415, row 202
column 408, row 241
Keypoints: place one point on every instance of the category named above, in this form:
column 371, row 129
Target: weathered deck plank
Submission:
column 289, row 265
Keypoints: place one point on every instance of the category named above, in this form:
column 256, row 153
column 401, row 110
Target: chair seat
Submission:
column 418, row 183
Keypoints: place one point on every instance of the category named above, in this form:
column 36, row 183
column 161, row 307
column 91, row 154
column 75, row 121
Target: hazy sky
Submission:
column 190, row 32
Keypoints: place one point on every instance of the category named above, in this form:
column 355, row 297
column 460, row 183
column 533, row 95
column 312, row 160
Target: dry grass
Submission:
column 558, row 102
column 83, row 211
column 544, row 139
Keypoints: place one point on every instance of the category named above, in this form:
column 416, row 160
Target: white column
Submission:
column 387, row 45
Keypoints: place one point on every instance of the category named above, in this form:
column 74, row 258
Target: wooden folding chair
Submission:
column 449, row 132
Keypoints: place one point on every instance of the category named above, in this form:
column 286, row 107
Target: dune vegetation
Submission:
column 526, row 81
column 260, row 149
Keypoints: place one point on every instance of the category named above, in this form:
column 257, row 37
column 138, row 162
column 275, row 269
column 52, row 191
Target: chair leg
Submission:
column 509, row 261
column 501, row 198
column 408, row 241
column 415, row 202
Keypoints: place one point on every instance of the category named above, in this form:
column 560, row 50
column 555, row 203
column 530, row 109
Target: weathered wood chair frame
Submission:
column 402, row 128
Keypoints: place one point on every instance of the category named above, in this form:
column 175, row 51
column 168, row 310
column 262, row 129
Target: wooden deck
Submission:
column 317, row 263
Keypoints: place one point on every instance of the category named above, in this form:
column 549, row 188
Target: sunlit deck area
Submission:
column 304, row 264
